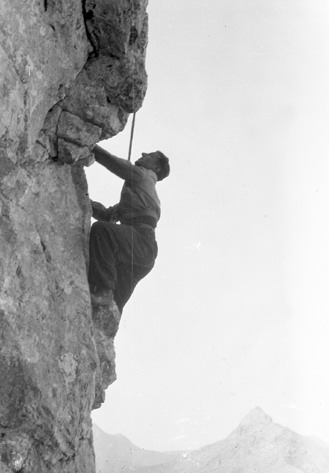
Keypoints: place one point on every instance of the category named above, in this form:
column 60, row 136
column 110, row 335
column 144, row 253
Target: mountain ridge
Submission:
column 256, row 445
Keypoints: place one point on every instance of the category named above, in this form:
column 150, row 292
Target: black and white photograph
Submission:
column 164, row 236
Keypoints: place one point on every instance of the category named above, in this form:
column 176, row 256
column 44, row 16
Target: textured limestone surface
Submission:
column 71, row 71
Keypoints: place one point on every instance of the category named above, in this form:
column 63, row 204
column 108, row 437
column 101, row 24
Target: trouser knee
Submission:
column 97, row 227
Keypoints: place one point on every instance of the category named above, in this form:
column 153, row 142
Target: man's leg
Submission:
column 120, row 256
column 108, row 244
column 102, row 250
column 140, row 263
column 128, row 276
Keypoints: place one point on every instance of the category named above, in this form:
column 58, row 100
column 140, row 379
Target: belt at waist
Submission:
column 145, row 221
column 143, row 225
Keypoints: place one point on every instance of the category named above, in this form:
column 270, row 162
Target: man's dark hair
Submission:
column 164, row 163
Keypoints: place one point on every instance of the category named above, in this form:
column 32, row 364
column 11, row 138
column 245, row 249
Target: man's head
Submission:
column 157, row 162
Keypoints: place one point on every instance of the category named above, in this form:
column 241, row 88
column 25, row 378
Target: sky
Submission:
column 235, row 313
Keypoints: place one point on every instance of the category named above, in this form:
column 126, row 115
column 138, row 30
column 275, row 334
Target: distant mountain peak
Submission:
column 256, row 421
column 255, row 417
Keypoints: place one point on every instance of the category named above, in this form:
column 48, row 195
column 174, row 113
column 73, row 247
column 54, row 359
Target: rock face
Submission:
column 71, row 71
column 258, row 445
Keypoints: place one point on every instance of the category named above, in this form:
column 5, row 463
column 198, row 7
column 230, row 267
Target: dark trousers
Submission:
column 120, row 256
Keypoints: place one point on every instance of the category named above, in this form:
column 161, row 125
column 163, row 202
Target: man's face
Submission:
column 149, row 161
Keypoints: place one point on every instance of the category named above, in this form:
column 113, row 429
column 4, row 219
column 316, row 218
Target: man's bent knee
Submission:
column 97, row 226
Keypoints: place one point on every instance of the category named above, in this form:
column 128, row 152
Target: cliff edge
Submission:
column 71, row 71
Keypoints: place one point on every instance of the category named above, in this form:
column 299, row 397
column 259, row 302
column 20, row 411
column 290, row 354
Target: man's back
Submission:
column 139, row 197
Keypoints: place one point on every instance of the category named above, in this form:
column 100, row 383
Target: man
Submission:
column 122, row 254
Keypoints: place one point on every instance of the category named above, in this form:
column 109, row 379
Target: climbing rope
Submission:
column 131, row 136
column 129, row 158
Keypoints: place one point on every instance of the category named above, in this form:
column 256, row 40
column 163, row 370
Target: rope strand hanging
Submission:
column 134, row 115
column 131, row 136
column 129, row 158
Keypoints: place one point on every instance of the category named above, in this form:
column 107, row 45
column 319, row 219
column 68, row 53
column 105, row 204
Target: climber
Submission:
column 122, row 254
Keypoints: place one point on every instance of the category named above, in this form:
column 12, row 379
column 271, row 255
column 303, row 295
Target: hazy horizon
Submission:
column 121, row 434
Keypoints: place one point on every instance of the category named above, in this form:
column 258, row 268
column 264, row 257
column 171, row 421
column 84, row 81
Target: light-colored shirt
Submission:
column 139, row 197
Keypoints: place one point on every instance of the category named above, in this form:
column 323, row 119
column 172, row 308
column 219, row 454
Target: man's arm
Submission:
column 100, row 212
column 120, row 167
